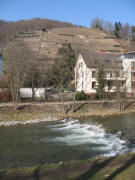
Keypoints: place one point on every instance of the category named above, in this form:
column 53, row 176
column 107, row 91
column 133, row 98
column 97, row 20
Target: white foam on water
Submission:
column 92, row 135
column 11, row 123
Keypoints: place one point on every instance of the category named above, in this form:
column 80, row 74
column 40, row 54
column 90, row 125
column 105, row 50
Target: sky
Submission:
column 79, row 12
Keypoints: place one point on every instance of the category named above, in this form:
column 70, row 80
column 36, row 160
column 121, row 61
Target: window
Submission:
column 132, row 74
column 133, row 64
column 129, row 56
column 93, row 74
column 93, row 85
column 110, row 74
column 133, row 85
column 82, row 84
column 107, row 74
column 109, row 83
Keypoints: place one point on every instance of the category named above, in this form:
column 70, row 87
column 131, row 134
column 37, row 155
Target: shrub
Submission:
column 80, row 96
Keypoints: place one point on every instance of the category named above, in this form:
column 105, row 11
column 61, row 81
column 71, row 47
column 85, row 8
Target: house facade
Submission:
column 119, row 71
column 128, row 63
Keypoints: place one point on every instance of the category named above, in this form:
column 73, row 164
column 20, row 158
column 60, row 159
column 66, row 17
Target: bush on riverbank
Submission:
column 80, row 96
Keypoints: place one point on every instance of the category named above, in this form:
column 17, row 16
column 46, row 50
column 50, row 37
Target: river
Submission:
column 66, row 140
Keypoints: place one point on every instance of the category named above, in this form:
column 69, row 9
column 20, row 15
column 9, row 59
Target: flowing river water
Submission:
column 65, row 140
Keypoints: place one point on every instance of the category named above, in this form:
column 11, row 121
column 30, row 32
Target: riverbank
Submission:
column 116, row 168
column 29, row 113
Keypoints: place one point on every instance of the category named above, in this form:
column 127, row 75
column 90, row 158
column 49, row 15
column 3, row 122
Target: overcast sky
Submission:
column 79, row 12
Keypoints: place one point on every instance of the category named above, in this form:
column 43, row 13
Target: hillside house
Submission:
column 119, row 70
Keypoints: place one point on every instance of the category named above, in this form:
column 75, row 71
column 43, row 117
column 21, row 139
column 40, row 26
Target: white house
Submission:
column 117, row 68
column 128, row 63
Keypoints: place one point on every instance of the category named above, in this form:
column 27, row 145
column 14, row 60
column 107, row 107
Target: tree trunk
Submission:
column 101, row 103
column 33, row 92
column 17, row 92
column 12, row 88
column 73, row 103
column 62, row 100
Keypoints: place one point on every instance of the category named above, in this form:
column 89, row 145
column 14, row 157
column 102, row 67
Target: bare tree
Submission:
column 16, row 59
column 97, row 23
column 103, row 25
column 108, row 27
column 33, row 78
column 121, row 89
column 126, row 33
column 120, row 94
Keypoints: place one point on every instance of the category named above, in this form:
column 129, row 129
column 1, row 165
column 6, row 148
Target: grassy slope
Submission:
column 117, row 168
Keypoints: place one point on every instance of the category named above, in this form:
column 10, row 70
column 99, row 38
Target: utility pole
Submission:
column 38, row 56
column 40, row 42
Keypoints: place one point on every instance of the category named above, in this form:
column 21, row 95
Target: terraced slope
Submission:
column 87, row 39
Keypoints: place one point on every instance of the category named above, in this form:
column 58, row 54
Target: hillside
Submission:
column 92, row 40
column 127, row 45
column 9, row 29
column 46, row 43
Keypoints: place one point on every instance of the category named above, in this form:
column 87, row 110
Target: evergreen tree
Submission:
column 63, row 68
column 62, row 72
column 118, row 29
column 133, row 33
column 101, row 82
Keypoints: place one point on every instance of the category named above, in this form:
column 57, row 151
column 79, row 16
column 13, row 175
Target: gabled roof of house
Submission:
column 94, row 59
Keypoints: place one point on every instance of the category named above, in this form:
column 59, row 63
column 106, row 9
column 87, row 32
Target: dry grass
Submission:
column 37, row 111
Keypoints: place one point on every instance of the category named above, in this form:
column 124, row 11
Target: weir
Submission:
column 92, row 136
